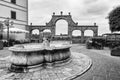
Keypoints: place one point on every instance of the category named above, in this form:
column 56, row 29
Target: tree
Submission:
column 114, row 19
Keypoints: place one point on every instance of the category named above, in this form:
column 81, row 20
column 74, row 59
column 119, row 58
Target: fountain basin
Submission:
column 26, row 57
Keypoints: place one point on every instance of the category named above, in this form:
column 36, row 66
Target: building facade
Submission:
column 16, row 11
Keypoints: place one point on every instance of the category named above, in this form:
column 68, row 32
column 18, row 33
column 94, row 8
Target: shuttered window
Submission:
column 13, row 14
column 13, row 1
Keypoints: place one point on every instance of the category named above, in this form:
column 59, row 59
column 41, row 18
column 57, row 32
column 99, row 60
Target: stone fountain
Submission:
column 44, row 61
column 32, row 57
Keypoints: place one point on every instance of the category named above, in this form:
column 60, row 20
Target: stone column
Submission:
column 40, row 36
column 30, row 35
column 52, row 32
column 27, row 34
column 30, row 31
column 70, row 33
column 82, row 36
column 95, row 33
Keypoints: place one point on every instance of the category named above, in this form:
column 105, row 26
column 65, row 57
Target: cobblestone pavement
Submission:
column 75, row 67
column 105, row 66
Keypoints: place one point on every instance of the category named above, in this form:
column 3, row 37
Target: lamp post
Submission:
column 7, row 22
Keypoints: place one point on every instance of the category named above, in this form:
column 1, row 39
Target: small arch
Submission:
column 46, row 33
column 60, row 19
column 88, row 33
column 47, row 30
column 76, row 33
column 35, row 35
column 35, row 31
column 61, row 27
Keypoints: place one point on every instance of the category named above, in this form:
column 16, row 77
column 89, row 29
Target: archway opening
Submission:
column 46, row 33
column 76, row 36
column 76, row 33
column 35, row 32
column 61, row 27
column 88, row 34
column 47, row 30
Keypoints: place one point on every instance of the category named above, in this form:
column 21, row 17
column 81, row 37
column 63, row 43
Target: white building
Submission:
column 17, row 11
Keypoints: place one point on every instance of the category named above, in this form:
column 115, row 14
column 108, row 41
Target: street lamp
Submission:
column 7, row 22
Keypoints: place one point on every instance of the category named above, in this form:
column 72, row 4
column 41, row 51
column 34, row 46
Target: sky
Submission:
column 85, row 12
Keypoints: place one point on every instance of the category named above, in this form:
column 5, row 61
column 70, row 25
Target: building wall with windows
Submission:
column 17, row 11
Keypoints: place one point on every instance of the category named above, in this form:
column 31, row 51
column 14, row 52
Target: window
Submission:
column 13, row 1
column 13, row 14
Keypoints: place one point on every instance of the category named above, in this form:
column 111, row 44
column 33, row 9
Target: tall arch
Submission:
column 57, row 18
column 61, row 27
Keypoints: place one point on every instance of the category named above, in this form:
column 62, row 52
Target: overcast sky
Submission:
column 85, row 12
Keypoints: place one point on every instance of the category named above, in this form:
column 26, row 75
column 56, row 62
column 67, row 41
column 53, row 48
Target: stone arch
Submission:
column 55, row 18
column 88, row 33
column 76, row 33
column 35, row 31
column 35, row 35
column 60, row 18
column 71, row 26
column 76, row 36
column 46, row 33
column 47, row 30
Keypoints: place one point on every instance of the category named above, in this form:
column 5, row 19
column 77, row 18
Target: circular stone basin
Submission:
column 30, row 57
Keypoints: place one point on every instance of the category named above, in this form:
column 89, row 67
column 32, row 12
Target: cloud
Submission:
column 82, row 11
column 47, row 5
column 97, row 7
column 90, row 1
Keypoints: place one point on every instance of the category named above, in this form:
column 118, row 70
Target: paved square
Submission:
column 76, row 66
column 104, row 67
